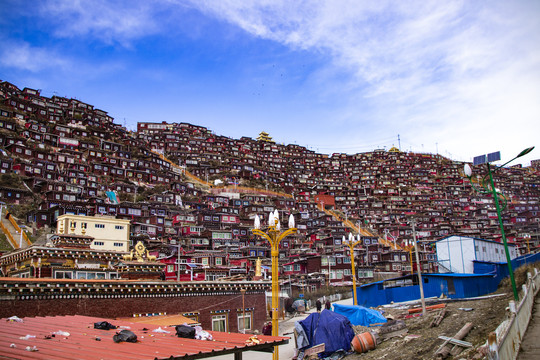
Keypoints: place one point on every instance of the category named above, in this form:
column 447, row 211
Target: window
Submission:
column 99, row 243
column 118, row 227
column 118, row 244
column 170, row 268
column 99, row 226
column 244, row 323
column 63, row 274
column 219, row 323
column 218, row 261
column 193, row 316
column 90, row 275
column 287, row 268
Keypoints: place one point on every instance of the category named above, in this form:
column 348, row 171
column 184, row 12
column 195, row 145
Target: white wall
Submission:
column 457, row 253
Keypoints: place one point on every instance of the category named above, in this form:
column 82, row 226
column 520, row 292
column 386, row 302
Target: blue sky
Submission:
column 461, row 78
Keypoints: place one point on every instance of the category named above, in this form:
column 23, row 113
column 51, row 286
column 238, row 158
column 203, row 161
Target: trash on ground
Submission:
column 31, row 348
column 438, row 318
column 466, row 309
column 253, row 340
column 201, row 334
column 104, row 325
column 28, row 337
column 392, row 329
column 364, row 342
column 14, row 319
column 61, row 333
column 444, row 350
column 185, row 331
column 432, row 307
column 125, row 335
column 411, row 337
column 161, row 331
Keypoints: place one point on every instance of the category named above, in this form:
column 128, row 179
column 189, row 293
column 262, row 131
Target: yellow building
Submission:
column 108, row 232
column 263, row 136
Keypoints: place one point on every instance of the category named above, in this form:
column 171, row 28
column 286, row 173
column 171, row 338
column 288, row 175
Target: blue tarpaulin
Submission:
column 111, row 195
column 330, row 328
column 359, row 315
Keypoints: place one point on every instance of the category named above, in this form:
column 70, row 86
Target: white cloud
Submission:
column 440, row 72
column 22, row 56
column 465, row 75
column 109, row 21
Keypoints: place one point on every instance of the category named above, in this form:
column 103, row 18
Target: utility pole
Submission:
column 418, row 267
column 178, row 263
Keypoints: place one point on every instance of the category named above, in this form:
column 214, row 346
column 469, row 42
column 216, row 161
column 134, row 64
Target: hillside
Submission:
column 70, row 153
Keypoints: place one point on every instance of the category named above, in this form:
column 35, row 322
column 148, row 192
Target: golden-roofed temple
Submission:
column 264, row 136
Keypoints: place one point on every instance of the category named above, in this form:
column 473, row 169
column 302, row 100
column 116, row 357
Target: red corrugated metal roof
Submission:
column 85, row 342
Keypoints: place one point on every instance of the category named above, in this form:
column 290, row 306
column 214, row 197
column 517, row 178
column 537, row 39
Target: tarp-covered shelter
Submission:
column 359, row 315
column 330, row 328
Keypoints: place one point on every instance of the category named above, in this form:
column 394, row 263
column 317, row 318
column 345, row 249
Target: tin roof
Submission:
column 160, row 320
column 85, row 342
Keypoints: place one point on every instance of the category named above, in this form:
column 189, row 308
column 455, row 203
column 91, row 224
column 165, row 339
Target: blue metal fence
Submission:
column 486, row 279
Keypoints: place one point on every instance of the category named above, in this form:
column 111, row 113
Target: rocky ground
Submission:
column 421, row 341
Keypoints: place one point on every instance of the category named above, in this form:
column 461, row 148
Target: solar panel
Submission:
column 495, row 156
column 479, row 160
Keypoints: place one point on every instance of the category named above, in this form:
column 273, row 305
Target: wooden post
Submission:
column 444, row 350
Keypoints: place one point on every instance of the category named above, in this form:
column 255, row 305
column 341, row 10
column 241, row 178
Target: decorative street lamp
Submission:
column 351, row 244
column 274, row 237
column 489, row 188
column 408, row 245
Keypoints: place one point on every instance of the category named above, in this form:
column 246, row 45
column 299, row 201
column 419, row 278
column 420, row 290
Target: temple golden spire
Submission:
column 263, row 136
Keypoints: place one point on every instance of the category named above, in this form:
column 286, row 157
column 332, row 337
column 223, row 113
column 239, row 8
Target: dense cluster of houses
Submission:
column 191, row 195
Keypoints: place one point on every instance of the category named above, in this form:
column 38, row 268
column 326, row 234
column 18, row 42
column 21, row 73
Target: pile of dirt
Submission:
column 421, row 341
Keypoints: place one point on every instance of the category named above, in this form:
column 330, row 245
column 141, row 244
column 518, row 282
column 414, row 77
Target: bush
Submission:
column 11, row 180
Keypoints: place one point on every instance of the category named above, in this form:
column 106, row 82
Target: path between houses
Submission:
column 530, row 346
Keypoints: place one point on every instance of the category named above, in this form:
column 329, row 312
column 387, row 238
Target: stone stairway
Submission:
column 9, row 227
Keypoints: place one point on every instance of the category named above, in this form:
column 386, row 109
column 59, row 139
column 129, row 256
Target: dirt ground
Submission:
column 421, row 341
